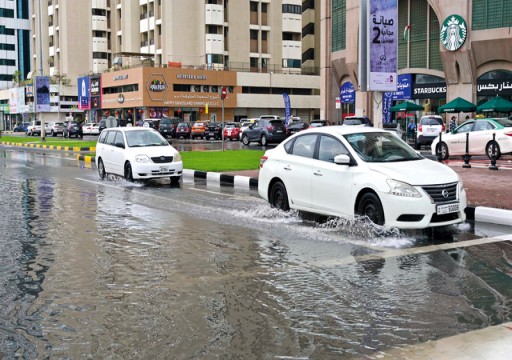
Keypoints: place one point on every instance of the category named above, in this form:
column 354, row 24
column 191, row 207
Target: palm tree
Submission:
column 16, row 78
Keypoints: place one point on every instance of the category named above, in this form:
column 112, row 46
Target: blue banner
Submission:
column 42, row 93
column 84, row 93
column 287, row 108
column 347, row 93
column 404, row 92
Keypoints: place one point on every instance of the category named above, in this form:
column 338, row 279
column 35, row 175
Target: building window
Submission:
column 254, row 6
column 491, row 14
column 292, row 9
column 339, row 24
column 254, row 34
column 264, row 8
column 292, row 63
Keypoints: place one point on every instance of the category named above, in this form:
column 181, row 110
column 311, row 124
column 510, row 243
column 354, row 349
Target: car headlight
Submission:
column 142, row 159
column 177, row 157
column 402, row 189
column 461, row 182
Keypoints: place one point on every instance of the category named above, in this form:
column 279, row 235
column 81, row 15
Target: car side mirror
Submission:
column 342, row 159
column 120, row 145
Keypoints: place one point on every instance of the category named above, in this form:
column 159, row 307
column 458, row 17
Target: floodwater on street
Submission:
column 109, row 269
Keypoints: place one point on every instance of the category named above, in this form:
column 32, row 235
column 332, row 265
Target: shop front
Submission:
column 136, row 94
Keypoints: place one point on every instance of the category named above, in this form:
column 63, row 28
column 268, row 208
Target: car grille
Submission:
column 162, row 159
column 442, row 193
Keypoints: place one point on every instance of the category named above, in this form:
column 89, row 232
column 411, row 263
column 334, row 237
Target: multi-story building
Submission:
column 436, row 72
column 259, row 40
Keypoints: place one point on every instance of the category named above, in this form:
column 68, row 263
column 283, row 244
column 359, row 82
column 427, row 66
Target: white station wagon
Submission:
column 349, row 171
column 137, row 153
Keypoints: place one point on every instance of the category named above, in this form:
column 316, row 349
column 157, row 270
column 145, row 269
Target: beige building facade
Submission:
column 480, row 69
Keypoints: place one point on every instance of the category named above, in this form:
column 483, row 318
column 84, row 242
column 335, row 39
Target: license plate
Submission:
column 164, row 169
column 165, row 130
column 211, row 133
column 279, row 131
column 447, row 208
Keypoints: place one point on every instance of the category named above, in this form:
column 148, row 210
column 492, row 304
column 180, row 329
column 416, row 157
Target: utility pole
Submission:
column 43, row 132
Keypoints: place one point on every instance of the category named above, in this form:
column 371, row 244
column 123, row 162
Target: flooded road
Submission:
column 108, row 269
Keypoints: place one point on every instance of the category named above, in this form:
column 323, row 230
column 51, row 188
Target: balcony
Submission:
column 214, row 14
column 214, row 44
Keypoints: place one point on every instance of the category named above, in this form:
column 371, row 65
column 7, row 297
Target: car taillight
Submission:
column 262, row 160
column 270, row 127
column 508, row 134
column 420, row 127
column 443, row 128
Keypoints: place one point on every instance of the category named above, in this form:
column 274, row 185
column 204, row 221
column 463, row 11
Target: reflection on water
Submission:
column 113, row 272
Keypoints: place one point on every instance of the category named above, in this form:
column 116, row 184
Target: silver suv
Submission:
column 428, row 129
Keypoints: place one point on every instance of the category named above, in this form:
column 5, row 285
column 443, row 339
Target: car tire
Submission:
column 488, row 150
column 245, row 140
column 264, row 140
column 443, row 149
column 370, row 206
column 175, row 180
column 417, row 145
column 279, row 197
column 53, row 133
column 128, row 173
column 101, row 170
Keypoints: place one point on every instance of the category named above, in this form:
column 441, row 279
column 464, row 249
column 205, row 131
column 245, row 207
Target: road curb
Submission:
column 50, row 147
column 236, row 181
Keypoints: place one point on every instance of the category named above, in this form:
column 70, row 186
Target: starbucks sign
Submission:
column 453, row 32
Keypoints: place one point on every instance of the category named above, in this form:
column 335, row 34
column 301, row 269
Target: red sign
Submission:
column 223, row 93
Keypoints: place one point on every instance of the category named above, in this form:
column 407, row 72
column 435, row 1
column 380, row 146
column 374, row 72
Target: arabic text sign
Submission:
column 382, row 45
column 494, row 87
column 347, row 93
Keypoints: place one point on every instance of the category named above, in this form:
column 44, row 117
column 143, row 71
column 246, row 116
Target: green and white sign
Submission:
column 453, row 32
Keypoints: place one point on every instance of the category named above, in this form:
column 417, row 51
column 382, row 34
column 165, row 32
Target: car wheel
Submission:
column 53, row 133
column 101, row 169
column 371, row 207
column 443, row 149
column 279, row 197
column 245, row 140
column 497, row 151
column 128, row 174
column 264, row 140
column 175, row 180
column 417, row 145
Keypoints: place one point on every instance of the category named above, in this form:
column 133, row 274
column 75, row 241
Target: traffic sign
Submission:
column 223, row 93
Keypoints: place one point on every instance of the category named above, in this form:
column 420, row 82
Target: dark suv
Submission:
column 74, row 128
column 167, row 126
column 265, row 131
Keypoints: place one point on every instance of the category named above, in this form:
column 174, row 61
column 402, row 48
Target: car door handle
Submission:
column 318, row 173
column 288, row 167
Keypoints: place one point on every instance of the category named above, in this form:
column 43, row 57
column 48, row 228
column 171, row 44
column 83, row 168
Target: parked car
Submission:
column 183, row 130
column 102, row 125
column 480, row 138
column 91, row 129
column 394, row 128
column 198, row 130
column 428, row 129
column 22, row 127
column 319, row 123
column 151, row 123
column 137, row 153
column 167, row 126
column 213, row 131
column 34, row 128
column 265, row 131
column 357, row 120
column 232, row 131
column 244, row 125
column 296, row 127
column 361, row 171
column 74, row 129
column 54, row 128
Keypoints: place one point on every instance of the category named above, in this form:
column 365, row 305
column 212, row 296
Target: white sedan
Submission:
column 349, row 171
column 480, row 139
column 137, row 153
column 91, row 129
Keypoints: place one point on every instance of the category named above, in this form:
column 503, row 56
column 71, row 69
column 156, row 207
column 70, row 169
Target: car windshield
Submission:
column 379, row 147
column 141, row 138
column 431, row 121
column 352, row 122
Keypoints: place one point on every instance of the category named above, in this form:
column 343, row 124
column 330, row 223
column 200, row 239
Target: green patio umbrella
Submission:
column 457, row 105
column 497, row 104
column 406, row 106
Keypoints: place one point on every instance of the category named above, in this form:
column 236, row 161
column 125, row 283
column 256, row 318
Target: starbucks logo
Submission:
column 453, row 32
